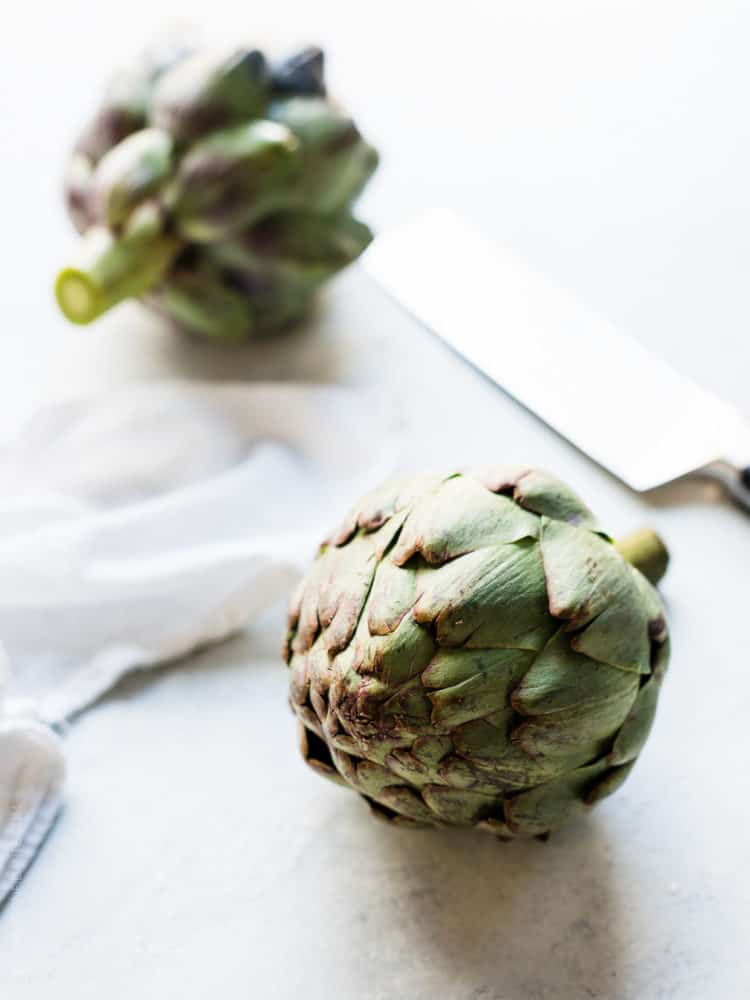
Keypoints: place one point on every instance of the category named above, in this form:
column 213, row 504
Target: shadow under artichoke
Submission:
column 530, row 920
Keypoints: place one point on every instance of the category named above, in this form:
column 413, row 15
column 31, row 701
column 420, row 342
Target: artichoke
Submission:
column 471, row 650
column 216, row 187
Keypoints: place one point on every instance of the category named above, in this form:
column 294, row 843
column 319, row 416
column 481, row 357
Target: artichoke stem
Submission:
column 111, row 269
column 645, row 550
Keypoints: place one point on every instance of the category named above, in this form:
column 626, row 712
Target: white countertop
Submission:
column 197, row 856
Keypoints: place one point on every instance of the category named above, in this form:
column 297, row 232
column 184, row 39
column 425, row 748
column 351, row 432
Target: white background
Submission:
column 610, row 143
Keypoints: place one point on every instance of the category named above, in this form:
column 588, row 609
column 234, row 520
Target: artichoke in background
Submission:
column 470, row 650
column 217, row 187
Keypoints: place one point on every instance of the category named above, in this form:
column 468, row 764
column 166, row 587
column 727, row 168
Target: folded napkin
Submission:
column 141, row 526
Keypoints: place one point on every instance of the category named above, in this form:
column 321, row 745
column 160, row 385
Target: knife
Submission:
column 610, row 397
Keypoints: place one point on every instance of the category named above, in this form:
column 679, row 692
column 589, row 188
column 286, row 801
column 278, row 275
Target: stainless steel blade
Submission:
column 609, row 396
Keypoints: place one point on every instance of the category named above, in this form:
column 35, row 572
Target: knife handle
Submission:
column 735, row 480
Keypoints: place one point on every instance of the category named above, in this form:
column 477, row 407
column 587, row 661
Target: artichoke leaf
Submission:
column 431, row 749
column 457, row 806
column 460, row 517
column 344, row 589
column 489, row 751
column 380, row 505
column 407, row 768
column 408, row 707
column 129, row 173
column 489, row 598
column 545, row 808
column 201, row 301
column 565, row 732
column 407, row 803
column 233, row 178
column 609, row 784
column 396, row 656
column 636, row 727
column 471, row 684
column 538, row 491
column 561, row 680
column 592, row 589
column 207, row 90
column 391, row 597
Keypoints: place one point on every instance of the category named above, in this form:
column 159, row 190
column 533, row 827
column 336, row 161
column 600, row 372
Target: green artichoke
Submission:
column 471, row 650
column 217, row 188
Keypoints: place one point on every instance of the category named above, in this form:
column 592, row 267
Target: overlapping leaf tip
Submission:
column 472, row 650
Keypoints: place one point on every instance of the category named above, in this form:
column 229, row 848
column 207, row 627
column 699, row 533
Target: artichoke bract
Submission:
column 217, row 187
column 471, row 650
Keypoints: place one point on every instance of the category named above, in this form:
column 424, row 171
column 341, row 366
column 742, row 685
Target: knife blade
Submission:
column 605, row 393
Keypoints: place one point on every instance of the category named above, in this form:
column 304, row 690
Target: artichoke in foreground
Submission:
column 471, row 650
column 218, row 189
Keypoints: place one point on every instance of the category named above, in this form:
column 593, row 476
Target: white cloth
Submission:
column 138, row 527
column 32, row 770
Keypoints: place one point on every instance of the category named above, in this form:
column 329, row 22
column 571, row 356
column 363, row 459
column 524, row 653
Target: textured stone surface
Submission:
column 616, row 157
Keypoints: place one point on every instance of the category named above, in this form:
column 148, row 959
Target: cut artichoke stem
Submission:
column 111, row 269
column 645, row 550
